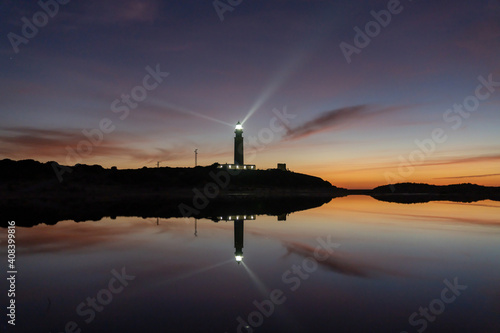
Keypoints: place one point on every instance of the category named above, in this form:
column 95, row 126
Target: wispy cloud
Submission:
column 20, row 142
column 438, row 162
column 123, row 11
column 472, row 159
column 471, row 176
column 481, row 38
column 339, row 118
column 341, row 263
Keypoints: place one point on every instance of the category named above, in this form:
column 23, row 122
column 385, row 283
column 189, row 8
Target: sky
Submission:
column 360, row 93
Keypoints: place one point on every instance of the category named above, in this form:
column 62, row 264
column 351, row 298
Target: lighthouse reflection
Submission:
column 238, row 240
column 238, row 210
column 239, row 223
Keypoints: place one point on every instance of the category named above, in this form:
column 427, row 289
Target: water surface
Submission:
column 352, row 265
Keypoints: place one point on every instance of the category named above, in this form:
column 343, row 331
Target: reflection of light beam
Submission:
column 180, row 109
column 286, row 317
column 260, row 285
column 276, row 82
column 196, row 272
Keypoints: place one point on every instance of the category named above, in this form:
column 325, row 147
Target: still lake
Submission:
column 354, row 264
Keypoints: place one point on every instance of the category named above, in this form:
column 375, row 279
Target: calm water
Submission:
column 352, row 265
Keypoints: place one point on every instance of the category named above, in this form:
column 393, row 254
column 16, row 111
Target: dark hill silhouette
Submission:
column 31, row 193
column 36, row 179
column 33, row 212
column 418, row 192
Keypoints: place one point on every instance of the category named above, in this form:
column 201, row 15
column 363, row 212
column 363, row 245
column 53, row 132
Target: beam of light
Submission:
column 307, row 47
column 180, row 109
column 287, row 318
column 257, row 281
column 195, row 272
column 279, row 78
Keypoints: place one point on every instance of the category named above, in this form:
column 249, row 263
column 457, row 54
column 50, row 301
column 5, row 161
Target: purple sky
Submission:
column 350, row 122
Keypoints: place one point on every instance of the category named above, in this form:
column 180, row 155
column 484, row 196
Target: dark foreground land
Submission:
column 32, row 193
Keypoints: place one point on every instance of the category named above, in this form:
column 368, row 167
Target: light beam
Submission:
column 279, row 78
column 180, row 109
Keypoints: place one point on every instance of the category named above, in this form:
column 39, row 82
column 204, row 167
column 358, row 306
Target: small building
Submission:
column 281, row 166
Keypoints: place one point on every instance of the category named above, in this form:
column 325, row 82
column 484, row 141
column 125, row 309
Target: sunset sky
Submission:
column 387, row 110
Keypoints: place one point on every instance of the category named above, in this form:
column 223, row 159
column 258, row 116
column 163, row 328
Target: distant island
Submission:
column 418, row 193
column 29, row 189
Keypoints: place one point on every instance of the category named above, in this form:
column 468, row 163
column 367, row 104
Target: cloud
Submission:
column 473, row 159
column 480, row 38
column 24, row 141
column 453, row 219
column 339, row 118
column 86, row 14
column 442, row 218
column 52, row 144
column 471, row 176
column 439, row 162
column 340, row 263
column 69, row 236
column 123, row 11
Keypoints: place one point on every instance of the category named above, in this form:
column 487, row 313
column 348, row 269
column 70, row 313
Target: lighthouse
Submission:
column 238, row 144
column 238, row 152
